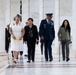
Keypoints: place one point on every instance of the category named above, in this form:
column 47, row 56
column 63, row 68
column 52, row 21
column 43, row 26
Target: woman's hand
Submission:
column 25, row 42
column 14, row 37
column 59, row 39
column 20, row 38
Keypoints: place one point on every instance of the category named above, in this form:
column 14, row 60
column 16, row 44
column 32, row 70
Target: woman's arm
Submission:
column 23, row 32
column 59, row 33
column 10, row 31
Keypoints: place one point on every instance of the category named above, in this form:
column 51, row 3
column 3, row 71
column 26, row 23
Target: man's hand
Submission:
column 37, row 41
column 25, row 42
column 42, row 37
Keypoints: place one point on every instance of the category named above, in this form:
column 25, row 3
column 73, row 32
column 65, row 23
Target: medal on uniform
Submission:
column 52, row 23
column 44, row 25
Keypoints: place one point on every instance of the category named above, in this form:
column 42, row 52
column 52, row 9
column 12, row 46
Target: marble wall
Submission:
column 73, row 24
column 2, row 25
column 30, row 8
column 25, row 10
column 65, row 10
column 62, row 9
column 14, row 8
column 8, row 9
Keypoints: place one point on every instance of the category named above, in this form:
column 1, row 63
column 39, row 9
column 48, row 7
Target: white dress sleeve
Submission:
column 11, row 24
column 23, row 25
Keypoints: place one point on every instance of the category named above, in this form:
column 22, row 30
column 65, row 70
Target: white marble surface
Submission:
column 2, row 25
column 4, row 61
column 40, row 67
column 8, row 11
column 66, row 7
column 37, row 10
column 73, row 24
column 25, row 10
column 15, row 8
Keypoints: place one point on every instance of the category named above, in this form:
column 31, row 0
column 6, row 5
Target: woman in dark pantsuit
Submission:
column 31, row 36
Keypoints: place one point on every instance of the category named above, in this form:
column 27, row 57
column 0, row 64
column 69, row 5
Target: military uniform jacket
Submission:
column 47, row 30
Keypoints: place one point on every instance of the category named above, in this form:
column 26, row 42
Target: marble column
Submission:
column 2, row 25
column 30, row 8
column 34, row 11
column 57, row 24
column 41, row 10
column 25, row 10
column 66, row 13
column 14, row 8
column 7, row 12
column 65, row 10
column 73, row 26
column 49, row 7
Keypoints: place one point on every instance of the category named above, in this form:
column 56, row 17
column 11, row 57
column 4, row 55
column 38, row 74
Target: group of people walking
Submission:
column 29, row 34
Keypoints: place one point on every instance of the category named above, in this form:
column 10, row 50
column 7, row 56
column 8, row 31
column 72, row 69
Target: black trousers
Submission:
column 65, row 49
column 21, row 52
column 7, row 42
column 48, row 49
column 42, row 45
column 31, row 49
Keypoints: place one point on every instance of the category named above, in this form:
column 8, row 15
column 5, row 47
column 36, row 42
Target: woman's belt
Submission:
column 17, row 38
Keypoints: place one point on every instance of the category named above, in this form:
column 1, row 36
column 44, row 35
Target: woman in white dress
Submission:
column 17, row 32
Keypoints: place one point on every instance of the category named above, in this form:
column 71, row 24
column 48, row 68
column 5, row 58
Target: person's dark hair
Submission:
column 68, row 26
column 19, row 16
column 30, row 19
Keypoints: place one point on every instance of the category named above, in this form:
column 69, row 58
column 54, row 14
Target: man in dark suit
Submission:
column 47, row 33
column 7, row 38
column 31, row 36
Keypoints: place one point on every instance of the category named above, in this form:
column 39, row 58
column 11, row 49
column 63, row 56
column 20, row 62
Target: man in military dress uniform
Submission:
column 47, row 33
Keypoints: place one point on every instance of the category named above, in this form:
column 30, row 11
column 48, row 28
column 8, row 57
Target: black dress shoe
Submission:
column 46, row 60
column 28, row 61
column 51, row 59
column 67, row 59
column 63, row 59
column 26, row 55
column 33, row 61
column 41, row 53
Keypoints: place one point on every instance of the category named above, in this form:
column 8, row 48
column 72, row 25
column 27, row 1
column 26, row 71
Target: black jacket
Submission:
column 31, row 33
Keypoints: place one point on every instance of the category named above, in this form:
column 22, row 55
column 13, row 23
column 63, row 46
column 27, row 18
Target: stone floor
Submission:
column 40, row 67
column 4, row 59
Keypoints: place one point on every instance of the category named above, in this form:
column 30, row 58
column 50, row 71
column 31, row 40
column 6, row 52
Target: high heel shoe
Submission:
column 15, row 61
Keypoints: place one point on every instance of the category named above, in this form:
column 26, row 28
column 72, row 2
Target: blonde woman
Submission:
column 17, row 32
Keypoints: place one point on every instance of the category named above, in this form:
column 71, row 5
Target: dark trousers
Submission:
column 48, row 49
column 65, row 49
column 31, row 49
column 21, row 52
column 7, row 42
column 42, row 44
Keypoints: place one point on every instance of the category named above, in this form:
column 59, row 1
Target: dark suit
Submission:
column 7, row 39
column 47, row 31
column 31, row 34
